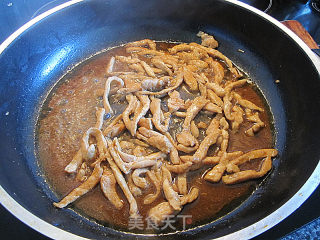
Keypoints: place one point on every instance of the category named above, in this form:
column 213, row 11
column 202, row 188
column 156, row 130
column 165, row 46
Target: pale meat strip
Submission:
column 194, row 129
column 137, row 179
column 158, row 116
column 182, row 183
column 215, row 53
column 237, row 116
column 106, row 103
column 143, row 109
column 189, row 79
column 258, row 124
column 136, row 191
column 213, row 108
column 110, row 65
column 175, row 102
column 179, row 168
column 209, row 140
column 99, row 115
column 115, row 130
column 101, row 142
column 132, row 158
column 245, row 103
column 215, row 174
column 85, row 187
column 127, row 60
column 217, row 69
column 190, row 197
column 216, row 159
column 155, row 84
column 114, row 121
column 171, row 195
column 178, row 81
column 160, row 212
column 219, row 91
column 108, row 187
column 161, row 142
column 145, row 122
column 150, row 43
column 77, row 159
column 214, row 98
column 249, row 174
column 75, row 162
column 230, row 86
column 148, row 69
column 185, row 136
column 186, row 149
column 133, row 104
column 161, row 65
column 144, row 51
column 150, row 198
column 207, row 40
column 259, row 153
column 133, row 207
column 137, row 67
column 202, row 89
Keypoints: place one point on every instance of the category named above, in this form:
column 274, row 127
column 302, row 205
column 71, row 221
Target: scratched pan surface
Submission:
column 35, row 58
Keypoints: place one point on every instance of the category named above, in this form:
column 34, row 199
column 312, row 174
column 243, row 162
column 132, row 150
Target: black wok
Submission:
column 36, row 56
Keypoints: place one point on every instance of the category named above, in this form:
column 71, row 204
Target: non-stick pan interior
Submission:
column 34, row 62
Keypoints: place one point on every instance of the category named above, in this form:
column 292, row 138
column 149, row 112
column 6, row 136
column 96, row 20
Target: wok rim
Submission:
column 248, row 232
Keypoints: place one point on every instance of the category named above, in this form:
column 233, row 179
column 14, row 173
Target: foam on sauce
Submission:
column 70, row 110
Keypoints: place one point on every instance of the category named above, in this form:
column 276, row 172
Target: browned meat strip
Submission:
column 106, row 104
column 136, row 191
column 141, row 43
column 145, row 122
column 214, row 98
column 85, row 187
column 108, row 187
column 150, row 198
column 171, row 195
column 142, row 110
column 133, row 207
column 133, row 104
column 245, row 103
column 258, row 124
column 189, row 79
column 249, row 174
column 175, row 102
column 179, row 168
column 209, row 140
column 137, row 179
column 182, row 183
column 160, row 122
column 207, row 40
column 160, row 212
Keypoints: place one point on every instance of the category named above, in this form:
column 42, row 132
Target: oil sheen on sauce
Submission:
column 69, row 111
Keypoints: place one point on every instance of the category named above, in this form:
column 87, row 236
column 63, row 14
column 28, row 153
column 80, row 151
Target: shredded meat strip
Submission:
column 134, row 212
column 85, row 187
column 171, row 195
column 143, row 109
column 106, row 103
column 150, row 198
column 108, row 187
column 137, row 179
column 158, row 117
column 249, row 174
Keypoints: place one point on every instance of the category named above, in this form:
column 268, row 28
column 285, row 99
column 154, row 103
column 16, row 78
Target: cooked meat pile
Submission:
column 153, row 155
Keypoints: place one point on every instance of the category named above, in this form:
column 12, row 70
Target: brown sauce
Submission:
column 70, row 110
